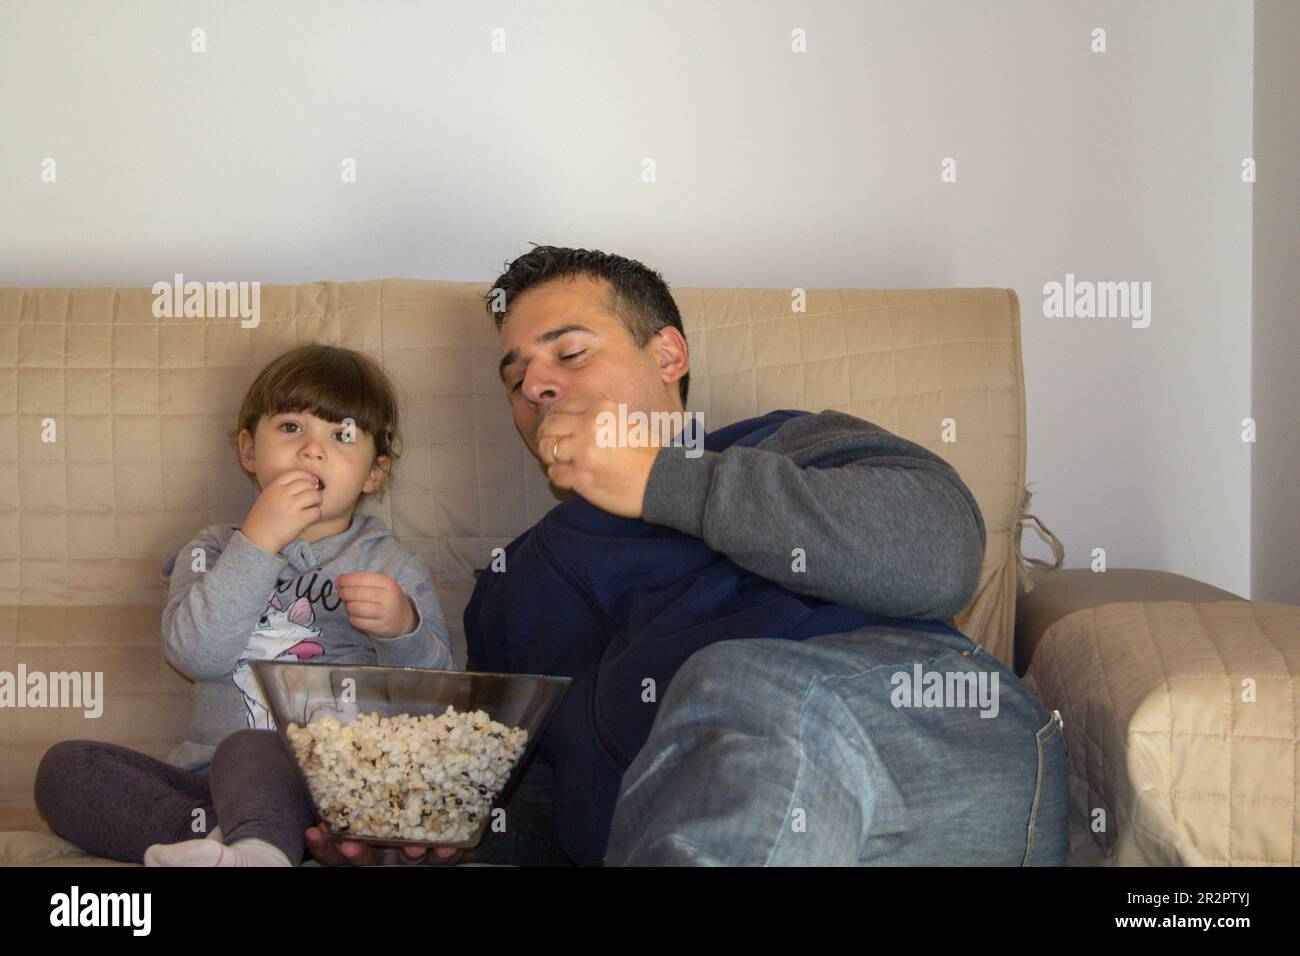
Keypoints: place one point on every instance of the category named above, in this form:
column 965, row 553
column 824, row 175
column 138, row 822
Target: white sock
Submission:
column 208, row 852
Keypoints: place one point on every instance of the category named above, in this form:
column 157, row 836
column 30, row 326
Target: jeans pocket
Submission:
column 1043, row 737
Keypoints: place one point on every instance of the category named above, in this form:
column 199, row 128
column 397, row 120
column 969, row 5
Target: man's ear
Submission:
column 378, row 472
column 674, row 361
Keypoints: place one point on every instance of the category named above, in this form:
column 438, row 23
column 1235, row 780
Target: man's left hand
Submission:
column 612, row 477
column 327, row 853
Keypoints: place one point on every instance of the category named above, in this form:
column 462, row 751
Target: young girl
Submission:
column 301, row 578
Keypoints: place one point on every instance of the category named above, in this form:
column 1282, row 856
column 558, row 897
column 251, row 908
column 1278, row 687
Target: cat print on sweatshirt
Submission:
column 280, row 632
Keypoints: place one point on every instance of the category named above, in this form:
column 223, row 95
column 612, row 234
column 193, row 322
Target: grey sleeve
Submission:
column 211, row 614
column 429, row 644
column 885, row 525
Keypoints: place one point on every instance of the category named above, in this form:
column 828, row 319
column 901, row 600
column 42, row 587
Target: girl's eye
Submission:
column 337, row 433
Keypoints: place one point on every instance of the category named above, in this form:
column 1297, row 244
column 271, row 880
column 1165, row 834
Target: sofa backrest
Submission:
column 113, row 422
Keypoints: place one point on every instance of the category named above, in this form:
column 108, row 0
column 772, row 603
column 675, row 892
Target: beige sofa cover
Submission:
column 1181, row 724
column 140, row 407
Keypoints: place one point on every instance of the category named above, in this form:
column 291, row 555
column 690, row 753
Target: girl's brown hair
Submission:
column 331, row 383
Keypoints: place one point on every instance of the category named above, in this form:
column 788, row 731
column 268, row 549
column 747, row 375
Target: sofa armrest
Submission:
column 1058, row 592
column 1179, row 725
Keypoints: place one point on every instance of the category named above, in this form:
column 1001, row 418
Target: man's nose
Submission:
column 543, row 391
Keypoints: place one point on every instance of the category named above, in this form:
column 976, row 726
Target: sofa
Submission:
column 113, row 452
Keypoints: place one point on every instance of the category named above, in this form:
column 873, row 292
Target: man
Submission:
column 763, row 667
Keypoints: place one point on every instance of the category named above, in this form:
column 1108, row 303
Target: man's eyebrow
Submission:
column 511, row 357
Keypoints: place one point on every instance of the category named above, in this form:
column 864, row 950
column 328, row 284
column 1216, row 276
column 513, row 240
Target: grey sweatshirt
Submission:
column 249, row 604
column 889, row 526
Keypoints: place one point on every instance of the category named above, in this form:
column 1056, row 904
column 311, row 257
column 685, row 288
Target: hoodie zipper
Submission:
column 606, row 624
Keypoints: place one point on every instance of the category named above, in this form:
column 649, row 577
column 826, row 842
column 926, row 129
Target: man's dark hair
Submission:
column 639, row 296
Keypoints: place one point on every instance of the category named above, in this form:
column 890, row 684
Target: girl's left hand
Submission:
column 376, row 604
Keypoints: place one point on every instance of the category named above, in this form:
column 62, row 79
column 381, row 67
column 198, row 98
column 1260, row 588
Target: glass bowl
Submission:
column 298, row 693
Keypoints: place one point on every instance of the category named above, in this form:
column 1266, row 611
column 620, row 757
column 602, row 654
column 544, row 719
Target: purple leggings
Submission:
column 115, row 802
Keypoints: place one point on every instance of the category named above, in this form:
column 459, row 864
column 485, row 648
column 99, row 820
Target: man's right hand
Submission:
column 286, row 507
column 328, row 853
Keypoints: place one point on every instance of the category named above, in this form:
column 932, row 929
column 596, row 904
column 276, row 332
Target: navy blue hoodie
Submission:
column 612, row 601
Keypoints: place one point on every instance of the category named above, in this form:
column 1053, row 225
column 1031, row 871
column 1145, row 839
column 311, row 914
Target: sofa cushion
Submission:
column 42, row 848
column 115, row 649
column 140, row 409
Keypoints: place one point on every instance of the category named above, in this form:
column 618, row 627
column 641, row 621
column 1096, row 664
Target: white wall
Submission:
column 1275, row 379
column 774, row 169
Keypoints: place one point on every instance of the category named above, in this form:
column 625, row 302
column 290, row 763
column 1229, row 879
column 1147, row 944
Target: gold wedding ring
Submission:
column 555, row 452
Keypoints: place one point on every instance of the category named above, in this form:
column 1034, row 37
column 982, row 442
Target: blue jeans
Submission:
column 786, row 753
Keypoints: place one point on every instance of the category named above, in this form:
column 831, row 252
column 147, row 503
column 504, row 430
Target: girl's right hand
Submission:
column 286, row 507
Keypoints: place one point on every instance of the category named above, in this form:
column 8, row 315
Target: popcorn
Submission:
column 428, row 778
